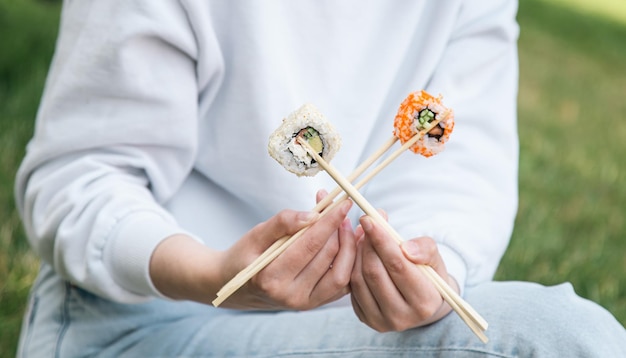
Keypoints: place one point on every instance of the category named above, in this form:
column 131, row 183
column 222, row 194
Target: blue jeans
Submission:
column 526, row 320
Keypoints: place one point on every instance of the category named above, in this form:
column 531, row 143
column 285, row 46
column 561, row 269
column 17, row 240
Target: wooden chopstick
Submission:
column 457, row 304
column 475, row 322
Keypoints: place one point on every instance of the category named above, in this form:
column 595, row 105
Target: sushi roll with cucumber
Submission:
column 416, row 113
column 306, row 122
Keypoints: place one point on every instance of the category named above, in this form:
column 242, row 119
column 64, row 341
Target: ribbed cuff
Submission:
column 130, row 248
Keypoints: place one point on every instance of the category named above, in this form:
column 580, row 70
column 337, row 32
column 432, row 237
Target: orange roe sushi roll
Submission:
column 416, row 113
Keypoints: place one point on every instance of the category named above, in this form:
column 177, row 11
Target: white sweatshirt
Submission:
column 156, row 116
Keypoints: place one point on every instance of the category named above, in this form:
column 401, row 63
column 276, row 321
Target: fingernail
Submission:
column 411, row 248
column 366, row 223
column 307, row 217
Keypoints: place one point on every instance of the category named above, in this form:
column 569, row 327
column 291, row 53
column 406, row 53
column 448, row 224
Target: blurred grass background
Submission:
column 572, row 107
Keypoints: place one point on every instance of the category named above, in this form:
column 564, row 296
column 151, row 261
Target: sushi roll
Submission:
column 306, row 122
column 416, row 113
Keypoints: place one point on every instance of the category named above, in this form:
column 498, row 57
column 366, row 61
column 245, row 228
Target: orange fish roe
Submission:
column 416, row 112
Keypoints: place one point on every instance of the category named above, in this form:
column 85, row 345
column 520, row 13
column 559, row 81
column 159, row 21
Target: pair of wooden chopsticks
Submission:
column 474, row 321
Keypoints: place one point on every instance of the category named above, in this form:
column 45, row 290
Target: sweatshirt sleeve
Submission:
column 115, row 137
column 466, row 196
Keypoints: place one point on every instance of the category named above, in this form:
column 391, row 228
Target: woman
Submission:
column 147, row 185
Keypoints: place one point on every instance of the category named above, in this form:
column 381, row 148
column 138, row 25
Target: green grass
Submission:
column 28, row 31
column 570, row 225
column 609, row 9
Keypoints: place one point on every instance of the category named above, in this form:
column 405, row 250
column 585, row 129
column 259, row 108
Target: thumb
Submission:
column 286, row 222
column 320, row 195
column 424, row 251
column 419, row 250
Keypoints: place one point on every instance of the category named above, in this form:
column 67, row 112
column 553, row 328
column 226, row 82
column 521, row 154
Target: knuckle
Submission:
column 285, row 218
column 402, row 321
column 266, row 285
column 375, row 324
column 297, row 301
column 356, row 277
column 312, row 245
column 383, row 327
column 430, row 309
column 396, row 265
column 277, row 292
column 339, row 282
column 371, row 274
column 402, row 325
column 343, row 279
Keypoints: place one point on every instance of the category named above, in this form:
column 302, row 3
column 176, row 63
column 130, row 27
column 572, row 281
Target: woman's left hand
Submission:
column 389, row 291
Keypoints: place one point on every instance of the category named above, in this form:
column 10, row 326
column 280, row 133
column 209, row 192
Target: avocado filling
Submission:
column 312, row 137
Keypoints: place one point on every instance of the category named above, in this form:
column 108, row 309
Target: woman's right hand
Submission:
column 313, row 271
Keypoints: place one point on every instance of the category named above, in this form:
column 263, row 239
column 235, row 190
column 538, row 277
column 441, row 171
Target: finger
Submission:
column 376, row 273
column 358, row 233
column 313, row 240
column 410, row 282
column 344, row 261
column 320, row 195
column 366, row 306
column 358, row 310
column 316, row 269
column 336, row 277
column 285, row 223
column 359, row 229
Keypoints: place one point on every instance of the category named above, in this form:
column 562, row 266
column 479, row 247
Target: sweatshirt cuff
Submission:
column 455, row 265
column 130, row 249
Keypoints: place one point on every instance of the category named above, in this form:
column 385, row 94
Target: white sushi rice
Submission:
column 285, row 150
column 433, row 144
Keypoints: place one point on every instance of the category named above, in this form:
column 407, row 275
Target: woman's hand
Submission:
column 313, row 271
column 389, row 292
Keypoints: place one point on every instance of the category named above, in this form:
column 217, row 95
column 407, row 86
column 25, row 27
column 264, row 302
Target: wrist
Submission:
column 181, row 268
